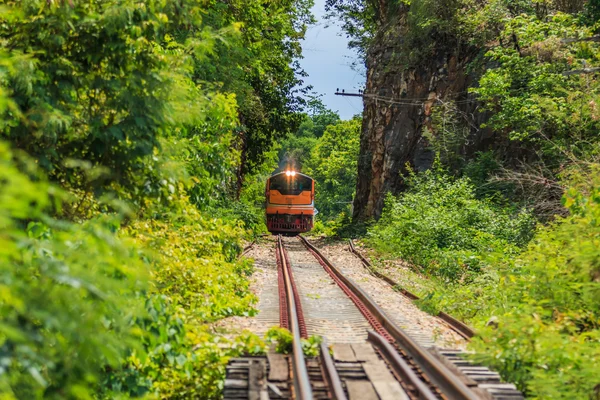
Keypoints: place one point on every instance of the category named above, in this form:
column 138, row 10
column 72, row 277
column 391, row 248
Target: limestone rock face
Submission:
column 397, row 106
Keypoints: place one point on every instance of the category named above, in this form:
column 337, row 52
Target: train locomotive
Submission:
column 290, row 203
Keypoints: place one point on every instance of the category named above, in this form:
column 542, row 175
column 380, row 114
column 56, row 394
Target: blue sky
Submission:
column 327, row 61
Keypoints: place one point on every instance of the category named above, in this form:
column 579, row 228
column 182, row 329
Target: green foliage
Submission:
column 206, row 151
column 283, row 340
column 536, row 310
column 333, row 165
column 311, row 346
column 359, row 20
column 440, row 225
column 548, row 335
column 532, row 100
column 448, row 135
column 297, row 147
column 199, row 271
column 250, row 209
column 480, row 170
column 91, row 96
column 63, row 291
column 261, row 69
column 320, row 116
column 428, row 26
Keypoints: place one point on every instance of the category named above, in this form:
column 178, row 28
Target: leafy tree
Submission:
column 262, row 70
column 536, row 94
column 296, row 148
column 333, row 165
column 90, row 87
column 320, row 116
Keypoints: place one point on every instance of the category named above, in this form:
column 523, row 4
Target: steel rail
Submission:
column 299, row 312
column 248, row 248
column 283, row 308
column 448, row 383
column 458, row 326
column 336, row 390
column 401, row 367
column 302, row 387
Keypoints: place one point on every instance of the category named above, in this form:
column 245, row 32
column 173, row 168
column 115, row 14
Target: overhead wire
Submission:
column 413, row 101
column 352, row 105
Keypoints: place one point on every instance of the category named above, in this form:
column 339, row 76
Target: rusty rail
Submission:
column 336, row 390
column 302, row 387
column 458, row 326
column 448, row 383
column 401, row 368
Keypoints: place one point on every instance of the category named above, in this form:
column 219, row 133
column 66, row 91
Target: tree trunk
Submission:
column 240, row 174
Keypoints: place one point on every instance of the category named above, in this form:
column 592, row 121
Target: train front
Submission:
column 290, row 202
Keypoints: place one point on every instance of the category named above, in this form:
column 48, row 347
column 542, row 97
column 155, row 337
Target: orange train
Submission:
column 290, row 202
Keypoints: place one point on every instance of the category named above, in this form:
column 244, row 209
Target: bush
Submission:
column 69, row 294
column 440, row 225
column 536, row 311
column 79, row 317
column 196, row 279
column 548, row 335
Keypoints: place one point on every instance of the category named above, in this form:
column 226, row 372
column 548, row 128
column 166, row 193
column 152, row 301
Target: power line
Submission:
column 352, row 105
column 402, row 101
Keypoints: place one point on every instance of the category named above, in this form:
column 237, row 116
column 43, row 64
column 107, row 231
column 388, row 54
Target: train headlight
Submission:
column 288, row 173
column 293, row 173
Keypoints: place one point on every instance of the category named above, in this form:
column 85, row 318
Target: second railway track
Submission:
column 373, row 358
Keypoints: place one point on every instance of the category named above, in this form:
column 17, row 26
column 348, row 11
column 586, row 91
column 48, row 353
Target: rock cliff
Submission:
column 397, row 106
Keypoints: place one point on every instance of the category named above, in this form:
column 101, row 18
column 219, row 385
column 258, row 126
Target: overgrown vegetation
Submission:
column 441, row 225
column 127, row 130
column 135, row 138
column 531, row 295
column 531, row 291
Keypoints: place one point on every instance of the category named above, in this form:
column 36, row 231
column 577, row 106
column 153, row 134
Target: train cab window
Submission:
column 290, row 185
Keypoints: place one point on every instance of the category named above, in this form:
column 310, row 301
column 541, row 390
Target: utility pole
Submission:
column 343, row 93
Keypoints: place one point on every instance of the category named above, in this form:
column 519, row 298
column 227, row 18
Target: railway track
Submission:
column 456, row 325
column 372, row 357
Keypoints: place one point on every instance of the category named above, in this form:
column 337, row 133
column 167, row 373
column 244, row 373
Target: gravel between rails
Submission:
column 327, row 310
column 424, row 328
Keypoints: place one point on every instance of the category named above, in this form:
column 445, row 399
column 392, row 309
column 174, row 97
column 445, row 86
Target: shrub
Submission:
column 440, row 225
column 69, row 294
column 548, row 335
column 196, row 279
column 537, row 311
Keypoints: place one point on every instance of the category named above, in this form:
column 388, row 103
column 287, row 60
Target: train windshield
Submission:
column 290, row 185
